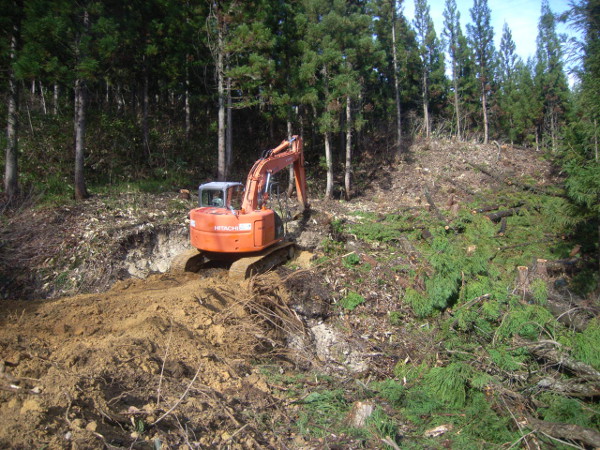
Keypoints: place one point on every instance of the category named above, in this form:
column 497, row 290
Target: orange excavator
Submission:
column 234, row 223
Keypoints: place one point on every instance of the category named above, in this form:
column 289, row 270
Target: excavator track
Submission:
column 242, row 268
column 249, row 266
column 189, row 261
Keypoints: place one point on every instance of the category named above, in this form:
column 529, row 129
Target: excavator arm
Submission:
column 257, row 185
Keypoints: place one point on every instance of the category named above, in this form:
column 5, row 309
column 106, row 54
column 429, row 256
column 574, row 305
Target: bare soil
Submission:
column 177, row 360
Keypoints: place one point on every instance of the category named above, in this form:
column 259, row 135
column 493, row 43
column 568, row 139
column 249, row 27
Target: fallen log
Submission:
column 547, row 350
column 572, row 432
column 432, row 205
column 570, row 387
column 491, row 208
column 495, row 217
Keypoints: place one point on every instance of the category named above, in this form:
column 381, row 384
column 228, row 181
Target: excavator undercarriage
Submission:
column 240, row 267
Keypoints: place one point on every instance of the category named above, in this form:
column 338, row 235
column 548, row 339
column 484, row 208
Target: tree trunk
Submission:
column 485, row 115
column 79, row 122
column 425, row 97
column 55, row 100
column 348, row 174
column 11, row 173
column 145, row 103
column 292, row 182
column 228, row 131
column 456, row 104
column 396, row 82
column 221, row 155
column 329, row 162
column 187, row 107
column 79, row 125
column 43, row 97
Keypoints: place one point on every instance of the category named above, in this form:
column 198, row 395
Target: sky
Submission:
column 522, row 17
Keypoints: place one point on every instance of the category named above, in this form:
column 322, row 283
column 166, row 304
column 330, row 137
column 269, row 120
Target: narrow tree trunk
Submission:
column 485, row 115
column 456, row 102
column 292, row 182
column 348, row 173
column 187, row 108
column 596, row 139
column 55, row 100
column 79, row 122
column 145, row 105
column 228, row 131
column 221, row 163
column 425, row 96
column 11, row 172
column 329, row 162
column 396, row 82
column 43, row 98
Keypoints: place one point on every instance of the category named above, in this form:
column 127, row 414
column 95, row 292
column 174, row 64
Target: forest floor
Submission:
column 102, row 346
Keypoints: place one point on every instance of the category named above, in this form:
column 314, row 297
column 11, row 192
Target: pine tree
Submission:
column 506, row 98
column 453, row 33
column 481, row 37
column 550, row 77
column 432, row 62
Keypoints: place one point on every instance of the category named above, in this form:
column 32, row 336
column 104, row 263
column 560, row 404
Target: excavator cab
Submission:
column 221, row 194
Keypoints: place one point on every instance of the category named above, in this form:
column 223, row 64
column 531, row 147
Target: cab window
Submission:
column 212, row 197
column 235, row 197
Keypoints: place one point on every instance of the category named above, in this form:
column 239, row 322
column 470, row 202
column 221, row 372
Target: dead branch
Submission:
column 548, row 350
column 571, row 388
column 568, row 314
column 572, row 432
column 434, row 208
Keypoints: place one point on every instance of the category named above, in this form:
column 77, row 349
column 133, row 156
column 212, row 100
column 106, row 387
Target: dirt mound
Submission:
column 165, row 359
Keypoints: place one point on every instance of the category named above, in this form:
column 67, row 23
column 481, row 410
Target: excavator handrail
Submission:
column 272, row 162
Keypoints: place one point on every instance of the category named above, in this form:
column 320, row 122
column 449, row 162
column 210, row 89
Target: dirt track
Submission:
column 101, row 367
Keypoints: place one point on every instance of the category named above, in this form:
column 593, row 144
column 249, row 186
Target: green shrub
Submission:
column 351, row 301
column 351, row 261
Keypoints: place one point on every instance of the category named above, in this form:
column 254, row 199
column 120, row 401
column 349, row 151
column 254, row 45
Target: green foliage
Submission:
column 395, row 318
column 381, row 425
column 449, row 384
column 391, row 390
column 421, row 305
column 569, row 410
column 528, row 321
column 410, row 372
column 322, row 411
column 539, row 290
column 507, row 359
column 351, row 301
column 587, row 344
column 350, row 261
